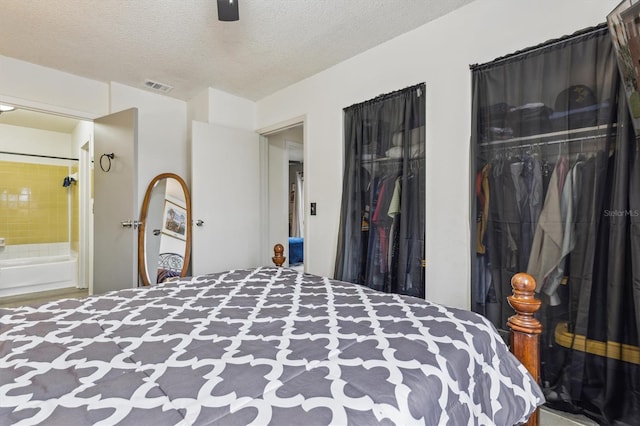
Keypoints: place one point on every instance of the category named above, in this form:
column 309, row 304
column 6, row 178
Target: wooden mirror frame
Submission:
column 142, row 259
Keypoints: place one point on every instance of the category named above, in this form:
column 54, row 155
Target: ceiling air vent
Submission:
column 160, row 87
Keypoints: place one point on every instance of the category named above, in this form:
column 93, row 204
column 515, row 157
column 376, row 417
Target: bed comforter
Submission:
column 257, row 346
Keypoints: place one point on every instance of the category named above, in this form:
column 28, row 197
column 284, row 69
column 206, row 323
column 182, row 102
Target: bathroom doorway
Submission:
column 40, row 162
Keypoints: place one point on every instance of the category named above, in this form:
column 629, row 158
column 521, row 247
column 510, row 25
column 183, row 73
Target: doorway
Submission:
column 285, row 170
column 44, row 137
column 44, row 153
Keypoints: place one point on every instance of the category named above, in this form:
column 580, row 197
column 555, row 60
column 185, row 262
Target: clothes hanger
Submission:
column 581, row 154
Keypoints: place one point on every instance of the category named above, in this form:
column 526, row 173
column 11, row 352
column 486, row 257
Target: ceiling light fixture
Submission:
column 228, row 10
column 6, row 108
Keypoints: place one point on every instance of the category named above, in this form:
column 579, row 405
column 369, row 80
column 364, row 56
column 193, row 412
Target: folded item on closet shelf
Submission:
column 396, row 139
column 588, row 116
column 368, row 156
column 530, row 112
column 500, row 132
column 494, row 115
column 397, row 151
column 590, row 108
column 415, row 137
column 369, row 152
column 530, row 119
column 528, row 106
column 492, row 122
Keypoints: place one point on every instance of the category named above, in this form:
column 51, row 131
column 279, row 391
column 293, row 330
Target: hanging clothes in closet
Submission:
column 381, row 237
column 556, row 169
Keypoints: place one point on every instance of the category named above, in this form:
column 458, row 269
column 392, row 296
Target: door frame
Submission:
column 84, row 258
column 85, row 255
column 264, row 132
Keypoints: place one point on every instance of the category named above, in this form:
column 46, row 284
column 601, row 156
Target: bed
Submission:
column 259, row 346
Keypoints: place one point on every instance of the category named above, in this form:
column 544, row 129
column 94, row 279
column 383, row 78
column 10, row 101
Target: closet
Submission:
column 381, row 237
column 553, row 156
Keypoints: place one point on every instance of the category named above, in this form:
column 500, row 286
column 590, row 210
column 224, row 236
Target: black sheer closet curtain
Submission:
column 381, row 237
column 556, row 195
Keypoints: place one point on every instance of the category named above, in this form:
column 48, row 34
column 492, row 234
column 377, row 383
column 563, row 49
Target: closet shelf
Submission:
column 571, row 135
column 389, row 160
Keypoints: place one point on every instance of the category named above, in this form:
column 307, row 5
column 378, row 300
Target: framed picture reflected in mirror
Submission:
column 175, row 220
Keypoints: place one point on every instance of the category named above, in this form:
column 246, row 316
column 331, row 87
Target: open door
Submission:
column 225, row 198
column 115, row 261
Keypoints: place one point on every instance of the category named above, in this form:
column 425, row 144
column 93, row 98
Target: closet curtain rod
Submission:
column 385, row 96
column 547, row 44
column 38, row 155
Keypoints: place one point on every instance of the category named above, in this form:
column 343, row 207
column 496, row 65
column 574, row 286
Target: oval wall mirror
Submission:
column 164, row 235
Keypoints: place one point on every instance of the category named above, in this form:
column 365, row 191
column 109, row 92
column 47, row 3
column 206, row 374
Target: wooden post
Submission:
column 278, row 258
column 525, row 329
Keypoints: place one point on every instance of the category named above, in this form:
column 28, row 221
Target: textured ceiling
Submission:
column 181, row 42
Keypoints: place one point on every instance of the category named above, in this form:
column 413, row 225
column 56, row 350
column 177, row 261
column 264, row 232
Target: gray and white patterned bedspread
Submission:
column 260, row 346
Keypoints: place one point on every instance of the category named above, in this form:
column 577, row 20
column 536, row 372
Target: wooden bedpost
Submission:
column 278, row 258
column 525, row 329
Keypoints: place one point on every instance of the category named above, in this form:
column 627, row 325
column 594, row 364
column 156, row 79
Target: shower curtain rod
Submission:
column 39, row 156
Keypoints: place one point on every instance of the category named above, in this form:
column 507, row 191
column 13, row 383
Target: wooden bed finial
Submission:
column 524, row 302
column 278, row 258
column 525, row 328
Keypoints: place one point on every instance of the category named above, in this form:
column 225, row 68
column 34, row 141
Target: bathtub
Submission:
column 31, row 274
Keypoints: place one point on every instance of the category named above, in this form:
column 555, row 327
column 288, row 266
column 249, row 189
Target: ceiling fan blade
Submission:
column 228, row 10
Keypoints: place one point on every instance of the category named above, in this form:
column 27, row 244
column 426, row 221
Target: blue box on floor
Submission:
column 296, row 250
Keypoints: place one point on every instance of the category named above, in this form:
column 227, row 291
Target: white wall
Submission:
column 162, row 133
column 29, row 85
column 35, row 141
column 218, row 107
column 438, row 53
column 231, row 111
column 215, row 106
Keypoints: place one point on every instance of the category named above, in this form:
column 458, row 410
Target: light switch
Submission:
column 313, row 209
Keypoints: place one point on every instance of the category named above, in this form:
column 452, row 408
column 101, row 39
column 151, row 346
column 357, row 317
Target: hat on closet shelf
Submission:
column 575, row 97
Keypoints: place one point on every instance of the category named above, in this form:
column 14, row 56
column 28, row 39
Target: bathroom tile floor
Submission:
column 42, row 297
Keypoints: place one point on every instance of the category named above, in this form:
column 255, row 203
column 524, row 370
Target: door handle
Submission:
column 199, row 222
column 130, row 224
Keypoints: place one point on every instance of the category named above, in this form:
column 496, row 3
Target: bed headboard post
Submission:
column 278, row 258
column 525, row 328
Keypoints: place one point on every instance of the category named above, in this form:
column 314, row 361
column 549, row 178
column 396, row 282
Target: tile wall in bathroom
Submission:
column 34, row 206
